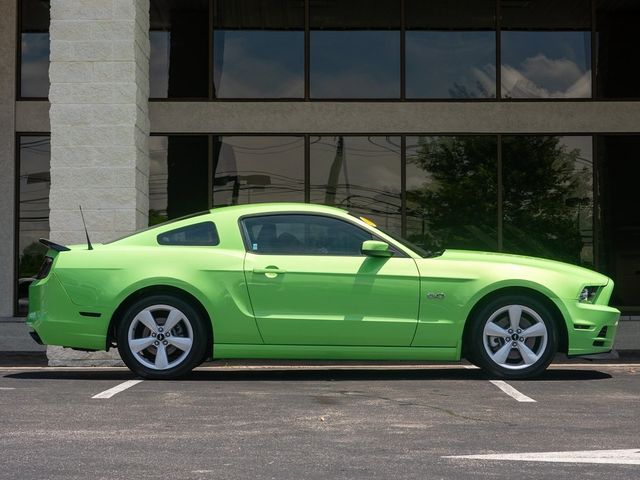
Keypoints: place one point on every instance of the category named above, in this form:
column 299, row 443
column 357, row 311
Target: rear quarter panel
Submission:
column 101, row 279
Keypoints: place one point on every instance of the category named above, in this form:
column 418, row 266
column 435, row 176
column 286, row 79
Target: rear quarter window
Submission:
column 199, row 234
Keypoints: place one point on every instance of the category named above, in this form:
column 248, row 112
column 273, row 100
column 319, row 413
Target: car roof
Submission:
column 277, row 207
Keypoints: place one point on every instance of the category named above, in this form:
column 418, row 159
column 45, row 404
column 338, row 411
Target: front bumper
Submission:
column 591, row 328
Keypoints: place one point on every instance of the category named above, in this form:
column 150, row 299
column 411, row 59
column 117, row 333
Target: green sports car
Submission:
column 301, row 281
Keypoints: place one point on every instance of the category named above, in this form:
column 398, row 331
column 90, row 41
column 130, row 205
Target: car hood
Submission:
column 491, row 258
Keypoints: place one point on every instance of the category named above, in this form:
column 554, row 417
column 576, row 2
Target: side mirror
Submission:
column 375, row 248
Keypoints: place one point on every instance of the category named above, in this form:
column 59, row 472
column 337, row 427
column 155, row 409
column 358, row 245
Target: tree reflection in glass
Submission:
column 548, row 197
column 452, row 192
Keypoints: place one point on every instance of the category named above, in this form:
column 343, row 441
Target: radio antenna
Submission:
column 89, row 246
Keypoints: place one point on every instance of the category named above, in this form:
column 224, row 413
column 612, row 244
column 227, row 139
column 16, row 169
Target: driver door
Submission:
column 309, row 284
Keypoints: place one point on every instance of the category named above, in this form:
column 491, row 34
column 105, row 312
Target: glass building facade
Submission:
column 561, row 195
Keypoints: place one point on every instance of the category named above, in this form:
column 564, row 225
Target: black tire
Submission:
column 515, row 366
column 145, row 363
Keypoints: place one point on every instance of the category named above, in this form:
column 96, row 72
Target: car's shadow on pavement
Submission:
column 316, row 375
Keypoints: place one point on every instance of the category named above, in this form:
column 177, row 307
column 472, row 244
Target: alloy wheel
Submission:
column 160, row 337
column 515, row 337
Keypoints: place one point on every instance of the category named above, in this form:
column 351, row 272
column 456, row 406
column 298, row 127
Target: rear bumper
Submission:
column 56, row 320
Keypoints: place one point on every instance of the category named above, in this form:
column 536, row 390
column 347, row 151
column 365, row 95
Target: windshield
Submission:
column 403, row 241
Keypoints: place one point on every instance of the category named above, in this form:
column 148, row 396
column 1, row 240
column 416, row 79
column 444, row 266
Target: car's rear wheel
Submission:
column 513, row 336
column 161, row 337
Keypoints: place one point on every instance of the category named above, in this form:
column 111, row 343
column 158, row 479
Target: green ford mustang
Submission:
column 300, row 281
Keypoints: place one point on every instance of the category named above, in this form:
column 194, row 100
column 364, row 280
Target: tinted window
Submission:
column 548, row 197
column 618, row 37
column 546, row 49
column 257, row 169
column 34, row 48
column 33, row 211
column 355, row 49
column 259, row 49
column 200, row 234
column 360, row 174
column 452, row 192
column 450, row 56
column 178, row 176
column 179, row 40
column 304, row 235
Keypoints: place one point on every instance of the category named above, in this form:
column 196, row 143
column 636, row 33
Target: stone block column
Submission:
column 99, row 118
column 99, row 94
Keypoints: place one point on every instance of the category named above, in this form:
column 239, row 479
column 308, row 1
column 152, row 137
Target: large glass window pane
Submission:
column 548, row 197
column 450, row 49
column 619, row 239
column 33, row 214
column 452, row 193
column 259, row 49
column 546, row 49
column 34, row 49
column 178, row 176
column 179, row 58
column 355, row 49
column 256, row 169
column 360, row 174
column 617, row 40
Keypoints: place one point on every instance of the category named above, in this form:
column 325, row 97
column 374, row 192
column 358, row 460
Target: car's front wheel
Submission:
column 513, row 337
column 161, row 337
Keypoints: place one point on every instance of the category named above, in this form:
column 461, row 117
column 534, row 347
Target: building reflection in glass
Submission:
column 33, row 211
column 360, row 174
column 255, row 169
column 452, row 192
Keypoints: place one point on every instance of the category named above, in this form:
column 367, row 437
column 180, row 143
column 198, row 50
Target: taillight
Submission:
column 45, row 268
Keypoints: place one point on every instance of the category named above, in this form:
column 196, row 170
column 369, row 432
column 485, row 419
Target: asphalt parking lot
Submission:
column 320, row 422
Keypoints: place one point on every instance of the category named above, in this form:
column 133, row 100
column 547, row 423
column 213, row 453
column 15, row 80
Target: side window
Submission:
column 304, row 235
column 199, row 234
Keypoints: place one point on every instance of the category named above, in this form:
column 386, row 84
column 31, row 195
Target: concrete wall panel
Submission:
column 7, row 152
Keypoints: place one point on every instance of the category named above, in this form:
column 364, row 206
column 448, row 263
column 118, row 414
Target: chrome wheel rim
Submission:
column 160, row 337
column 515, row 337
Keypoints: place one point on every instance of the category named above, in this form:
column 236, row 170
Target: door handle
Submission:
column 270, row 272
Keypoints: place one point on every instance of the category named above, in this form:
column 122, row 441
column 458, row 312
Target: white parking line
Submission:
column 117, row 389
column 7, row 388
column 512, row 392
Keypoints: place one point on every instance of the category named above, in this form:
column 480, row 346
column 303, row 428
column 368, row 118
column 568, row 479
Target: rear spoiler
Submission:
column 54, row 246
